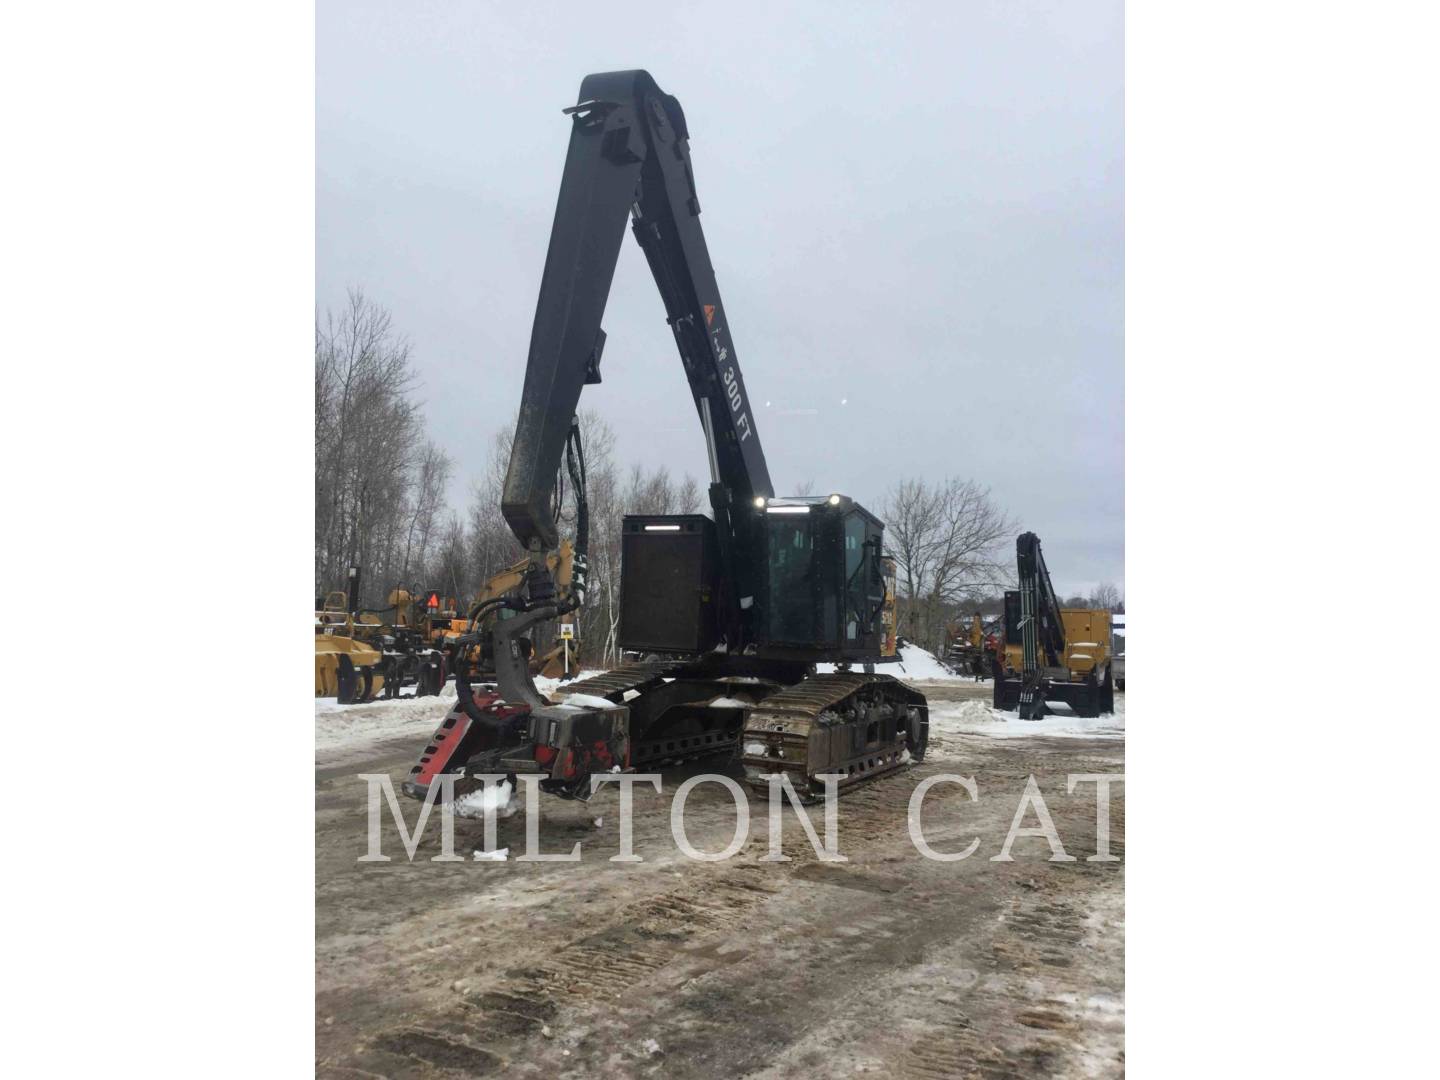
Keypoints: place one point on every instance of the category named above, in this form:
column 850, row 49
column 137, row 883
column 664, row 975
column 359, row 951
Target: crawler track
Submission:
column 613, row 685
column 859, row 726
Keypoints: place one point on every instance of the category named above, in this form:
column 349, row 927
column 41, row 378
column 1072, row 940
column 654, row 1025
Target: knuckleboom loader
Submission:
column 1050, row 653
column 739, row 607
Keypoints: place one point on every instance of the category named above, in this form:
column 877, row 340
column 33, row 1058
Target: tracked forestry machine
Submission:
column 1051, row 654
column 739, row 608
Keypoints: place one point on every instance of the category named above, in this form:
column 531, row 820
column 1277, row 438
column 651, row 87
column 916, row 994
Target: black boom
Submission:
column 629, row 156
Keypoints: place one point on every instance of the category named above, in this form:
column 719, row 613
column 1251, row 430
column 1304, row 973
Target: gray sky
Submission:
column 917, row 210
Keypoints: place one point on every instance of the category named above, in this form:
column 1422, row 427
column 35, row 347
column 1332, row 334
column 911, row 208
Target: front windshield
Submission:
column 789, row 613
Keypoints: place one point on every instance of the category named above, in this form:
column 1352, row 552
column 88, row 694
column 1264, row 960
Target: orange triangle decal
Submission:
column 709, row 314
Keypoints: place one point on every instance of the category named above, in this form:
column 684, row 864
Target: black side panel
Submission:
column 668, row 584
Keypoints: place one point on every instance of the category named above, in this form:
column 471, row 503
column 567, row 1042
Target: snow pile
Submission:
column 500, row 855
column 916, row 663
column 650, row 1047
column 729, row 703
column 497, row 797
column 325, row 706
column 338, row 726
column 978, row 718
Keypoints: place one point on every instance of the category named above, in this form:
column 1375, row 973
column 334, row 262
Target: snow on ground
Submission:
column 338, row 726
column 978, row 718
column 915, row 663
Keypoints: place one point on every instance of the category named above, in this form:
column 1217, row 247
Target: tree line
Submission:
column 381, row 502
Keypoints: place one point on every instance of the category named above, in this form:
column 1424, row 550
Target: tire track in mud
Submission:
column 683, row 928
column 1044, row 934
column 715, row 962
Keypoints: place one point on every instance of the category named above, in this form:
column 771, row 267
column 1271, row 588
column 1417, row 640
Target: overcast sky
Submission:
column 916, row 216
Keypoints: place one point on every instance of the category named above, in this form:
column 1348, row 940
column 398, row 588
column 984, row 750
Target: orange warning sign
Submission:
column 709, row 314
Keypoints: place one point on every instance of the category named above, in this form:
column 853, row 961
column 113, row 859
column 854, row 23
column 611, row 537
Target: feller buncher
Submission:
column 1050, row 653
column 742, row 606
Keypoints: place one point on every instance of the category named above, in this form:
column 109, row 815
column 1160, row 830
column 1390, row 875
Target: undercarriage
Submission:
column 1088, row 697
column 645, row 715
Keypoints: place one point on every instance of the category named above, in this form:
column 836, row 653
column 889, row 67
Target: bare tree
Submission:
column 948, row 542
column 432, row 474
column 1106, row 597
column 912, row 517
column 687, row 499
column 970, row 558
column 369, row 450
column 650, row 493
column 451, row 569
column 491, row 544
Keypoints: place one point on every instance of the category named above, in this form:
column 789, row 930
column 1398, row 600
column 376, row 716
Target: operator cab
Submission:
column 821, row 585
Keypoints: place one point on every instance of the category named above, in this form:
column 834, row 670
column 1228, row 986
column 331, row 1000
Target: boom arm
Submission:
column 629, row 156
column 1040, row 608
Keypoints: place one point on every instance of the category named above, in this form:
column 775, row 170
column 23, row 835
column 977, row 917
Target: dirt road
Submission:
column 888, row 964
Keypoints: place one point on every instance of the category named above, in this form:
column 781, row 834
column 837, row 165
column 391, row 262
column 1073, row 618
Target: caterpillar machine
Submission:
column 740, row 608
column 967, row 650
column 1051, row 654
column 456, row 633
column 359, row 658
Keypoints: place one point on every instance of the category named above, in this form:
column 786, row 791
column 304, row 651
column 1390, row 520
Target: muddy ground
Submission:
column 888, row 964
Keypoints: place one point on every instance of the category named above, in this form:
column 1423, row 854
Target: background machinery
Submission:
column 1117, row 650
column 552, row 662
column 358, row 657
column 969, row 650
column 740, row 607
column 1051, row 654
